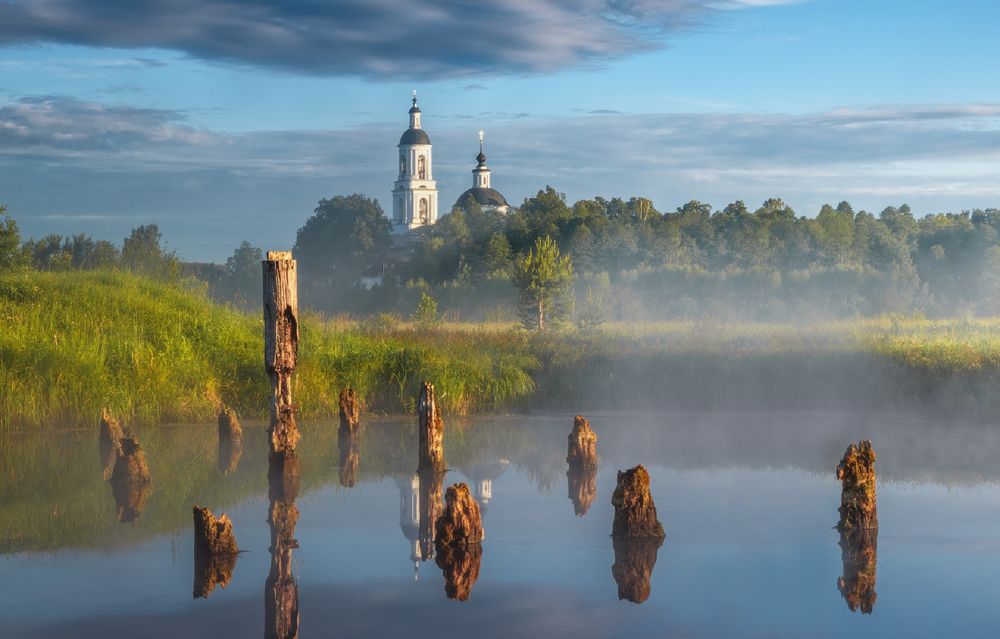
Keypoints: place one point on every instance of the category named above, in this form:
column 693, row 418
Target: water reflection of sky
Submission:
column 750, row 550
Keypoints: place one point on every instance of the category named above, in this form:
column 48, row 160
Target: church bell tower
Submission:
column 414, row 194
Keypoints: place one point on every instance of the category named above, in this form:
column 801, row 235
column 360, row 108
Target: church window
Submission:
column 421, row 168
column 402, row 164
column 423, row 210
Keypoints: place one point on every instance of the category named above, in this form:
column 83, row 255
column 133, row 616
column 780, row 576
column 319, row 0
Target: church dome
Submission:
column 414, row 136
column 484, row 196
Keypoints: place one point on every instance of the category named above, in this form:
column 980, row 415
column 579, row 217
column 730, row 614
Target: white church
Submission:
column 415, row 194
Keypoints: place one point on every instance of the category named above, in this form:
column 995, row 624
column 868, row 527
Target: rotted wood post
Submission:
column 350, row 411
column 856, row 473
column 431, row 430
column 281, row 351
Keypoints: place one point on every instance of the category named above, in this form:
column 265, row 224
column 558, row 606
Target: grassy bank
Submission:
column 75, row 342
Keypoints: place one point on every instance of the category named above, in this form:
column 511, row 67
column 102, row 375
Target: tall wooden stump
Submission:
column 108, row 439
column 431, row 429
column 350, row 411
column 230, row 441
column 281, row 349
column 635, row 512
column 281, row 593
column 856, row 473
column 582, row 449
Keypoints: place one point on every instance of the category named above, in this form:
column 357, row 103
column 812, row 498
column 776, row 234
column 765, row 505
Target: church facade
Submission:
column 415, row 194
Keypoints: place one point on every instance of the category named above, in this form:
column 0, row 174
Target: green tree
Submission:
column 10, row 241
column 345, row 236
column 544, row 280
column 243, row 270
column 143, row 253
column 426, row 314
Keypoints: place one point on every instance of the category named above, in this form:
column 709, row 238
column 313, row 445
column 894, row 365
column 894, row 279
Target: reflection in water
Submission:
column 106, row 449
column 859, row 552
column 409, row 517
column 430, row 505
column 460, row 566
column 581, row 485
column 130, row 499
column 281, row 593
column 230, row 452
column 635, row 558
column 211, row 571
column 482, row 476
column 350, row 456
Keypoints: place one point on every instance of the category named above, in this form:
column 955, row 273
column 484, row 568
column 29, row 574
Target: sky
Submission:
column 228, row 120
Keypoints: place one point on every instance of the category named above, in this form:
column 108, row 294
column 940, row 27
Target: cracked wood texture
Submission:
column 281, row 352
column 431, row 429
column 856, row 473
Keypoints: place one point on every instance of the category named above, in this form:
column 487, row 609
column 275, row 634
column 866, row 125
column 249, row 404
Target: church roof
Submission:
column 414, row 136
column 484, row 196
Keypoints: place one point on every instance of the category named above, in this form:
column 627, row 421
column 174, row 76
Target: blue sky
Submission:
column 224, row 120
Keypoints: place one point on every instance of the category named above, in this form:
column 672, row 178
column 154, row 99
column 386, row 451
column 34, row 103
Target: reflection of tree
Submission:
column 460, row 565
column 859, row 552
column 634, row 561
column 281, row 593
column 582, row 488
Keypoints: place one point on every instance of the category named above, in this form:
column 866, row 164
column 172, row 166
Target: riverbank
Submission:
column 153, row 352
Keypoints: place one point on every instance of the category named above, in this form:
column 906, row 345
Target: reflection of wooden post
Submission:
column 431, row 429
column 859, row 553
column 635, row 558
column 230, row 441
column 581, row 486
column 281, row 349
column 281, row 593
column 430, row 491
column 109, row 439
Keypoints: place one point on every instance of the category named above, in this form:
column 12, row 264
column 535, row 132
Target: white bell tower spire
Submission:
column 414, row 194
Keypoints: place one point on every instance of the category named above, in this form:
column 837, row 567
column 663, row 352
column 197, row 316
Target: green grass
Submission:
column 152, row 352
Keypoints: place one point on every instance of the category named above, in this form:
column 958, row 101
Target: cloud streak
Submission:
column 380, row 38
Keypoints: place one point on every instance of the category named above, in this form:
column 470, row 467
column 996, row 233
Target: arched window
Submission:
column 423, row 210
column 421, row 168
column 402, row 164
column 399, row 211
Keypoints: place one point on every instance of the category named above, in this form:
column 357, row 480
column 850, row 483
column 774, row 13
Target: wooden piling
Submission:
column 431, row 429
column 582, row 446
column 350, row 411
column 856, row 473
column 281, row 348
column 635, row 512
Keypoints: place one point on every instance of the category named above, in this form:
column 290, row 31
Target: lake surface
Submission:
column 748, row 502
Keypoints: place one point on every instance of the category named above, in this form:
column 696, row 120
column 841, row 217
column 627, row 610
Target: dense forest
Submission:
column 627, row 261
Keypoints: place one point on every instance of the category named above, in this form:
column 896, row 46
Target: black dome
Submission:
column 415, row 136
column 484, row 196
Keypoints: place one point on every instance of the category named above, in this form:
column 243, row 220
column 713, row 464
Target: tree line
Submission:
column 604, row 259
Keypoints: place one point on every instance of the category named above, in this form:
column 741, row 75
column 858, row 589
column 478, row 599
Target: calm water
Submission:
column 748, row 502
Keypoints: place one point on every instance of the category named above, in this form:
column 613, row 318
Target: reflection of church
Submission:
column 415, row 194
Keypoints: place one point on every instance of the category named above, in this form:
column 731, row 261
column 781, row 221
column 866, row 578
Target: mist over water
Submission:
column 748, row 501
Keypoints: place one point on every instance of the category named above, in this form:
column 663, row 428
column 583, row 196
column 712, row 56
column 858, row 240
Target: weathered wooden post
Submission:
column 856, row 473
column 458, row 538
column 108, row 440
column 582, row 449
column 430, row 492
column 230, row 441
column 281, row 348
column 431, row 429
column 350, row 411
column 215, row 551
column 130, row 462
column 635, row 512
column 858, row 527
column 637, row 534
